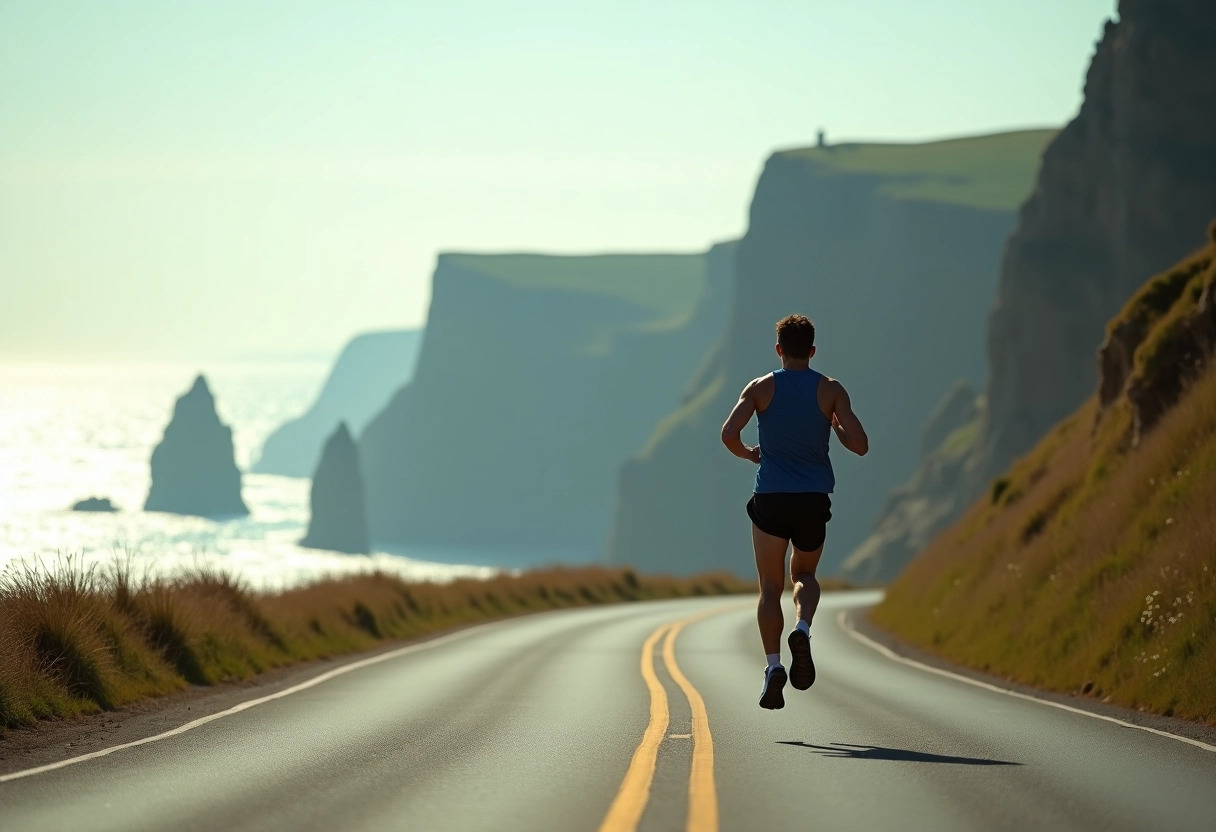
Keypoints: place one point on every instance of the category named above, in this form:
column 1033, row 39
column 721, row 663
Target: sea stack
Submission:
column 194, row 468
column 339, row 516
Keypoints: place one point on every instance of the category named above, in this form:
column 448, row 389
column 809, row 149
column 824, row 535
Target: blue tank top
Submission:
column 794, row 437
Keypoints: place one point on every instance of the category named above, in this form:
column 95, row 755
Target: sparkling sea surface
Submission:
column 71, row 432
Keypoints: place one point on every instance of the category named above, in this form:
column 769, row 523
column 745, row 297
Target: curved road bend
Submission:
column 560, row 721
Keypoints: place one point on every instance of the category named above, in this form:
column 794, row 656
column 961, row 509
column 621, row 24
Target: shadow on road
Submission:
column 851, row 751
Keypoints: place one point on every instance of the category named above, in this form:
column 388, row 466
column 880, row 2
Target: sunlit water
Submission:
column 70, row 432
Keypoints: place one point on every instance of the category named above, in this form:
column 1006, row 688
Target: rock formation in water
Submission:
column 339, row 514
column 95, row 504
column 1120, row 194
column 368, row 370
column 193, row 468
column 537, row 377
column 893, row 251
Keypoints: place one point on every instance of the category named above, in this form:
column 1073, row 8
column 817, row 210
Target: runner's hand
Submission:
column 754, row 454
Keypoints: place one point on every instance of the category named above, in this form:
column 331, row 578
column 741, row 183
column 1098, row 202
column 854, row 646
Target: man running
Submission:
column 796, row 409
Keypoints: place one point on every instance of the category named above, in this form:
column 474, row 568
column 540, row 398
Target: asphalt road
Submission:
column 565, row 721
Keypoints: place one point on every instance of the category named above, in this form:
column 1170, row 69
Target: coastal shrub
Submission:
column 170, row 627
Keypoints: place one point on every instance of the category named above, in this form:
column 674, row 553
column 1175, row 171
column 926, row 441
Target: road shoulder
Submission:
column 859, row 619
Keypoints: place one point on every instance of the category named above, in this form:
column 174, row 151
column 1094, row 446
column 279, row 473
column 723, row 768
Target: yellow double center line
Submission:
column 630, row 802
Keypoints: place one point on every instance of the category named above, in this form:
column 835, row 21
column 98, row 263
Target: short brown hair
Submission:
column 796, row 335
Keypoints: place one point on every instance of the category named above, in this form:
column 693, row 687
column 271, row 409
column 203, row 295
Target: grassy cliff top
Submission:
column 669, row 285
column 994, row 172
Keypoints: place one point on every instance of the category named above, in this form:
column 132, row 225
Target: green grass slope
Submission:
column 667, row 285
column 988, row 172
column 1091, row 565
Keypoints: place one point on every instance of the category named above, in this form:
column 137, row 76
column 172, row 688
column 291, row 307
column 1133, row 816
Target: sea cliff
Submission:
column 538, row 375
column 367, row 372
column 1120, row 194
column 880, row 244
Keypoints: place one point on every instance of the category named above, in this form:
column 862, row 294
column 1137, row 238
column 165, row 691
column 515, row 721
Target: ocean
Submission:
column 71, row 432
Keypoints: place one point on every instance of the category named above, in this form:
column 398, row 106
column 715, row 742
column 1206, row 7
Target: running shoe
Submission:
column 774, row 681
column 802, row 668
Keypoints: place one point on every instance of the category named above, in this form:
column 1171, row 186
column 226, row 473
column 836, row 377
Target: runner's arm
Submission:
column 846, row 424
column 742, row 413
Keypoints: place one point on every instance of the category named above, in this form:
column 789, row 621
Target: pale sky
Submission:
column 204, row 179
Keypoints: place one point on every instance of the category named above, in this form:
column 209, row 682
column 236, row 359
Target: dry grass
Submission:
column 1092, row 568
column 73, row 641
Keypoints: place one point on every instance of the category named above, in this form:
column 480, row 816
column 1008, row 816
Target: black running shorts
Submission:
column 801, row 519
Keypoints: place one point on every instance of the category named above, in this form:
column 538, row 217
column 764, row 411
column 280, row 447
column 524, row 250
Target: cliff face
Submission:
column 339, row 516
column 879, row 244
column 537, row 377
column 194, row 468
column 1120, row 194
column 368, row 370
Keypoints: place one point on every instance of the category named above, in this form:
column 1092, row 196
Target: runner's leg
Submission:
column 806, row 585
column 770, row 567
column 806, row 600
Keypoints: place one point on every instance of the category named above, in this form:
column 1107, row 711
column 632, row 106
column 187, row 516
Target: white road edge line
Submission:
column 842, row 621
column 246, row 705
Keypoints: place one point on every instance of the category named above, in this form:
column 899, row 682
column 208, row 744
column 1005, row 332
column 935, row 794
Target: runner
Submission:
column 796, row 409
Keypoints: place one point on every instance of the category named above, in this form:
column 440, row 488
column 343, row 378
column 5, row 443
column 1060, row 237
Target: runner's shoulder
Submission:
column 759, row 386
column 832, row 389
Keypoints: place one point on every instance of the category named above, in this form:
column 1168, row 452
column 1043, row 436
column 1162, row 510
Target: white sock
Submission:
column 805, row 627
column 774, row 659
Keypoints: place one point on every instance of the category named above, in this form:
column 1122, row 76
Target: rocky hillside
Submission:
column 1120, row 193
column 368, row 370
column 916, row 511
column 880, row 244
column 538, row 375
column 1088, row 566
